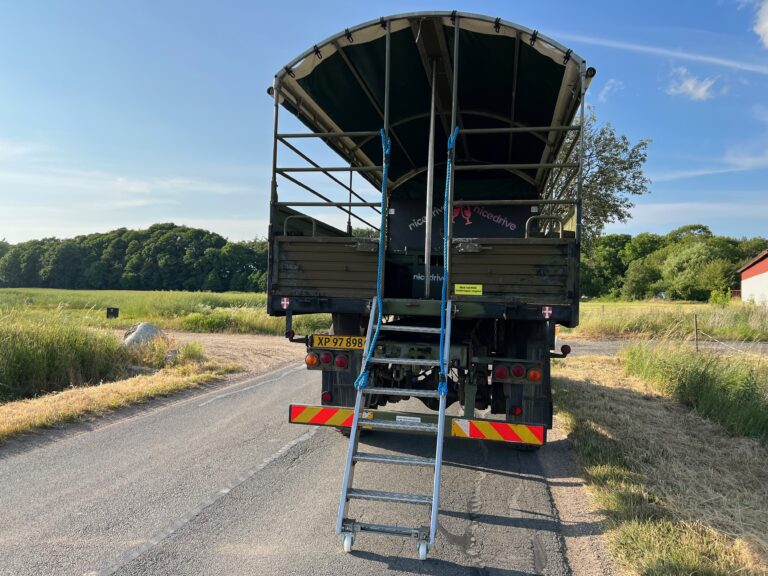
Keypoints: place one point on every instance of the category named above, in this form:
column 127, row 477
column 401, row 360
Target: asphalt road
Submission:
column 217, row 482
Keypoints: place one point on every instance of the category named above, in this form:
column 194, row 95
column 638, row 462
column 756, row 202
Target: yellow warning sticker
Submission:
column 469, row 289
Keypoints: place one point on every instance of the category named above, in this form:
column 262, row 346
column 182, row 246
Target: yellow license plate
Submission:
column 337, row 342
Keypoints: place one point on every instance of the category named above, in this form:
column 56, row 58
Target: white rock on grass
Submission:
column 141, row 333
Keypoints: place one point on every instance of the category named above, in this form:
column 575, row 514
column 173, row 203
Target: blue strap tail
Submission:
column 386, row 147
column 443, row 380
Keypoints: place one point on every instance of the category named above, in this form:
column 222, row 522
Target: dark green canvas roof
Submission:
column 508, row 76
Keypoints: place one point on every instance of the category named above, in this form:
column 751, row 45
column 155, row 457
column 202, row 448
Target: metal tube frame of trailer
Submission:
column 454, row 119
column 580, row 182
column 365, row 136
column 309, row 160
column 430, row 187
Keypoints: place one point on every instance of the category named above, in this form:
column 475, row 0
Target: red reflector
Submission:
column 565, row 349
column 326, row 396
column 311, row 359
column 534, row 375
column 326, row 357
column 518, row 370
column 517, row 410
column 501, row 372
column 342, row 361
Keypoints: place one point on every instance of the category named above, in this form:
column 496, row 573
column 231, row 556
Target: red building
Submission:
column 754, row 280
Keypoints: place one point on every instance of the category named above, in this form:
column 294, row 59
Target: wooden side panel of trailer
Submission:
column 533, row 270
column 325, row 267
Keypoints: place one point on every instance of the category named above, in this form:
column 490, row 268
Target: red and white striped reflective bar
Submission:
column 472, row 429
column 498, row 431
column 321, row 415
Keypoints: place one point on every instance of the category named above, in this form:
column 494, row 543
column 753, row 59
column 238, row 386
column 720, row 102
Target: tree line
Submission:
column 689, row 263
column 162, row 257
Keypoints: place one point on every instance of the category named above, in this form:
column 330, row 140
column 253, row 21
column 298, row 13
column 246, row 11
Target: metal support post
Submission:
column 580, row 184
column 430, row 190
column 276, row 94
column 454, row 117
column 349, row 216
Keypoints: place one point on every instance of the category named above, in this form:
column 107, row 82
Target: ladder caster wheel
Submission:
column 423, row 549
column 348, row 539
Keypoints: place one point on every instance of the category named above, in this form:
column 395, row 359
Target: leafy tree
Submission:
column 613, row 174
column 642, row 280
column 689, row 232
column 62, row 265
column 604, row 268
column 10, row 268
column 641, row 246
column 751, row 247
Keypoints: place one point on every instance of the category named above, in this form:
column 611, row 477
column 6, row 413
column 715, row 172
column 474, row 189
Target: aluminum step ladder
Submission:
column 348, row 527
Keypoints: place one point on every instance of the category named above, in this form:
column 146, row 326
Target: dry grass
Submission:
column 26, row 415
column 682, row 495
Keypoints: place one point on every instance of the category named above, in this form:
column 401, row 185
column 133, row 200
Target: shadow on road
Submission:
column 493, row 461
column 435, row 566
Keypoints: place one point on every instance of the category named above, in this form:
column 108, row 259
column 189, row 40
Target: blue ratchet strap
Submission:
column 443, row 380
column 386, row 145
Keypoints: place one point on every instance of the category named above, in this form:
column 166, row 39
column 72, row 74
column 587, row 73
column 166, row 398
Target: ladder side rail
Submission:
column 349, row 464
column 354, row 431
column 445, row 352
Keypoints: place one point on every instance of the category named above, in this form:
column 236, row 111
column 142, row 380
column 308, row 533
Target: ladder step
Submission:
column 402, row 392
column 405, row 361
column 416, row 329
column 389, row 496
column 393, row 459
column 388, row 529
column 395, row 425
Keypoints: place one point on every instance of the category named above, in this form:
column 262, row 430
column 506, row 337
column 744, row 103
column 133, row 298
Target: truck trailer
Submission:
column 442, row 239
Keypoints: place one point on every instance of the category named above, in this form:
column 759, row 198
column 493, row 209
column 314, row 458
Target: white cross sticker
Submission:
column 546, row 311
column 285, row 302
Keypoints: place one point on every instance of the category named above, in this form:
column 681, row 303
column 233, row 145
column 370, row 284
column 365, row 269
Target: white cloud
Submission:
column 683, row 83
column 665, row 52
column 11, row 150
column 727, row 217
column 610, row 88
column 761, row 23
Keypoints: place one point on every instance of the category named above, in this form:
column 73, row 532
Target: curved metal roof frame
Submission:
column 316, row 117
column 440, row 13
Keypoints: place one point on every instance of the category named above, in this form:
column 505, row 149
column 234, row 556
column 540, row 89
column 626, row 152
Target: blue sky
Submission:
column 129, row 113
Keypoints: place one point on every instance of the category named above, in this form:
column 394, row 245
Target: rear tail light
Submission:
column 342, row 361
column 516, row 411
column 565, row 349
column 311, row 359
column 501, row 372
column 518, row 370
column 326, row 396
column 326, row 357
column 534, row 375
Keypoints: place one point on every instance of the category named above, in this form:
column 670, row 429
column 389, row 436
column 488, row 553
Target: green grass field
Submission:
column 38, row 357
column 654, row 319
column 245, row 313
column 731, row 390
column 189, row 311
